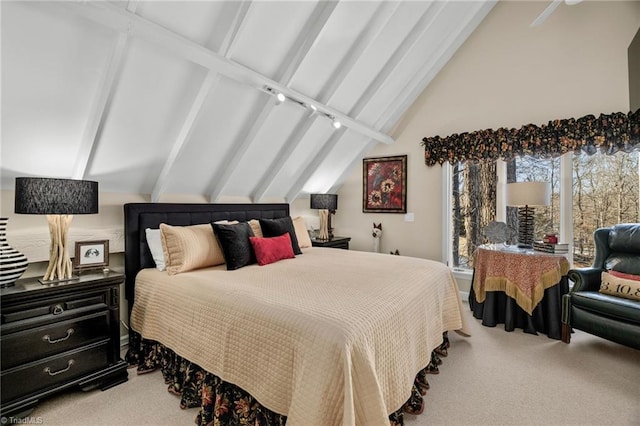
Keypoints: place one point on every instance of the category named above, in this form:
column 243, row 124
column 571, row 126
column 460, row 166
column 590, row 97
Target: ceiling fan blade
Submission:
column 545, row 13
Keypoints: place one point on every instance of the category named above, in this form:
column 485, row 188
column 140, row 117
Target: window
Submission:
column 605, row 192
column 473, row 207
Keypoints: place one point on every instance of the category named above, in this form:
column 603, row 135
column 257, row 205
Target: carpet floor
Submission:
column 490, row 378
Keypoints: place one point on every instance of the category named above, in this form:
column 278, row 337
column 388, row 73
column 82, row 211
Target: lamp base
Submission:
column 59, row 262
column 58, row 281
column 525, row 227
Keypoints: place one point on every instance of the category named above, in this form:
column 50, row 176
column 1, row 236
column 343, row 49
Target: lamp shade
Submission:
column 324, row 201
column 55, row 196
column 528, row 194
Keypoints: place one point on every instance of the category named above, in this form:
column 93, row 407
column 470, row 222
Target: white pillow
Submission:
column 155, row 245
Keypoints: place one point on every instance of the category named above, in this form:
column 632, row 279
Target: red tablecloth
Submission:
column 523, row 276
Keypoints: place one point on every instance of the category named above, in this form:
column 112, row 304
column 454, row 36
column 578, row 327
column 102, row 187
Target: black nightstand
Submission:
column 56, row 336
column 335, row 242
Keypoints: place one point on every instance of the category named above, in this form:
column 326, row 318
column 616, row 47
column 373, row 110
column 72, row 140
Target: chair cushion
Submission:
column 610, row 306
column 625, row 238
column 629, row 263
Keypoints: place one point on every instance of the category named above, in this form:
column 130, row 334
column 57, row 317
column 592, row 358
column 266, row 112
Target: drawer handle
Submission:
column 47, row 338
column 58, row 309
column 55, row 373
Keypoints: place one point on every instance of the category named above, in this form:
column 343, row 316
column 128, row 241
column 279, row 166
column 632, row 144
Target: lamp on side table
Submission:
column 327, row 204
column 59, row 199
column 525, row 196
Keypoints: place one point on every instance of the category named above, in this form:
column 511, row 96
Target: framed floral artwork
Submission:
column 384, row 184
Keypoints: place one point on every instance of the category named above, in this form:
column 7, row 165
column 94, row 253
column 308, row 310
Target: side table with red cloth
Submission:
column 520, row 288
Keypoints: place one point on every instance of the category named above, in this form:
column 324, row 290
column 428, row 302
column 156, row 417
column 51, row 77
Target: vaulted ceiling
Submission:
column 164, row 97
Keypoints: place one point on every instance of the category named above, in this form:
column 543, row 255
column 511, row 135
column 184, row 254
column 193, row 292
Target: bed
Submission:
column 330, row 337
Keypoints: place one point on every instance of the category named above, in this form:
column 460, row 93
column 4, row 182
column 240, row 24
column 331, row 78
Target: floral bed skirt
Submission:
column 223, row 403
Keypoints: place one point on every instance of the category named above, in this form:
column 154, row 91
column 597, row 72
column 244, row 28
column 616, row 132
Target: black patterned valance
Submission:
column 608, row 133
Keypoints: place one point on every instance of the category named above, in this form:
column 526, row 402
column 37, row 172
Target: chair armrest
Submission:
column 585, row 279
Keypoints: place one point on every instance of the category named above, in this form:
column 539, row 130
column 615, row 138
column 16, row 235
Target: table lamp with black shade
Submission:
column 327, row 204
column 59, row 199
column 525, row 196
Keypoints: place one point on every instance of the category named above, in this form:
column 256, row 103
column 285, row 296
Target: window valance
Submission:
column 608, row 133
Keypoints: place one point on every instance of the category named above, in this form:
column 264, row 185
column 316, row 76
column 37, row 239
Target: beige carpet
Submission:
column 491, row 378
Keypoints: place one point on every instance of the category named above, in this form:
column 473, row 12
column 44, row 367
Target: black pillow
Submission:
column 277, row 227
column 236, row 247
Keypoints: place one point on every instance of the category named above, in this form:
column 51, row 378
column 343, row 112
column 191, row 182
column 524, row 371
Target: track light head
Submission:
column 281, row 97
column 336, row 124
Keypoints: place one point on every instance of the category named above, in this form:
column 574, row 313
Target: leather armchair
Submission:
column 610, row 317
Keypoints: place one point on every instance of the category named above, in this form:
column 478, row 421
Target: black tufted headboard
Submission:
column 139, row 216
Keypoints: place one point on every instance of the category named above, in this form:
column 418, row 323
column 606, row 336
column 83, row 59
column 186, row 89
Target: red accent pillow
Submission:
column 624, row 275
column 270, row 250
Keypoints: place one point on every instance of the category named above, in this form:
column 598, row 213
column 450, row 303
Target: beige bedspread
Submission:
column 332, row 337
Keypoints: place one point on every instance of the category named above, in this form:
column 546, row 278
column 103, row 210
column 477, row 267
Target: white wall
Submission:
column 505, row 75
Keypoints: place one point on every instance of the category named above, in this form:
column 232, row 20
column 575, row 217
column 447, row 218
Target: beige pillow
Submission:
column 255, row 227
column 300, row 226
column 622, row 287
column 187, row 248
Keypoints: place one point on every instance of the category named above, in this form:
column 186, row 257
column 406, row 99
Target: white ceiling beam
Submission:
column 184, row 135
column 239, row 22
column 211, row 80
column 314, row 25
column 419, row 28
column 348, row 170
column 432, row 66
column 380, row 18
column 101, row 102
column 283, row 155
column 316, row 21
column 311, row 166
column 111, row 16
column 421, row 25
column 407, row 96
column 237, row 150
column 363, row 41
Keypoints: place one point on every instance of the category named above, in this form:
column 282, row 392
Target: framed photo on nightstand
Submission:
column 91, row 254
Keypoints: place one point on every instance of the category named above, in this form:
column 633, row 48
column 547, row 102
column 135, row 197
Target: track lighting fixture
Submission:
column 281, row 97
column 335, row 123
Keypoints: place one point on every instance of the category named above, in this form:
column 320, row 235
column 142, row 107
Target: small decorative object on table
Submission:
column 556, row 248
column 497, row 232
column 377, row 235
column 12, row 262
column 91, row 254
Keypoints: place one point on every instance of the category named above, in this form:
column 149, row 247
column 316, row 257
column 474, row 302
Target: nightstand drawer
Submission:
column 53, row 371
column 30, row 345
column 29, row 315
